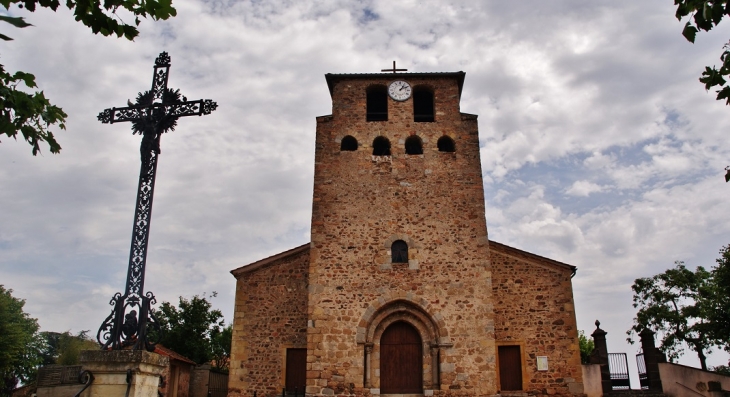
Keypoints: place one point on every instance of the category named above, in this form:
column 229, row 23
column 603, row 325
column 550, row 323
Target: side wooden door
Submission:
column 296, row 370
column 510, row 367
column 401, row 360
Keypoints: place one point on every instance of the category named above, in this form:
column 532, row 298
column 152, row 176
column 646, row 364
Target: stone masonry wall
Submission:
column 435, row 203
column 534, row 309
column 270, row 316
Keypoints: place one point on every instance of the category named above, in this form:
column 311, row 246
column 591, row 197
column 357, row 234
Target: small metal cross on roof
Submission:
column 394, row 69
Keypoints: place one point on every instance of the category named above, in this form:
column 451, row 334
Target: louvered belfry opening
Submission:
column 423, row 106
column 377, row 103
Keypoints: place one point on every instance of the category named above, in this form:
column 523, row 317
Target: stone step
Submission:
column 635, row 393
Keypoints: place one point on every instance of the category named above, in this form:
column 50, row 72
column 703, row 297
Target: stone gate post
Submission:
column 652, row 358
column 600, row 356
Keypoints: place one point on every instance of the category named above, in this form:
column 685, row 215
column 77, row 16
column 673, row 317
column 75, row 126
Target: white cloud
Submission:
column 583, row 188
column 599, row 147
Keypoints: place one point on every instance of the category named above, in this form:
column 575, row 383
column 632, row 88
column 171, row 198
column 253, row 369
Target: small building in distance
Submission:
column 400, row 290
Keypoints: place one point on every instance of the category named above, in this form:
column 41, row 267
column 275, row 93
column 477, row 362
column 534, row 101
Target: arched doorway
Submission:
column 401, row 360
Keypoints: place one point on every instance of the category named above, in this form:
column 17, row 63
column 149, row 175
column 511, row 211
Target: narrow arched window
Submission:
column 414, row 145
column 348, row 144
column 381, row 146
column 399, row 252
column 377, row 103
column 446, row 144
column 423, row 108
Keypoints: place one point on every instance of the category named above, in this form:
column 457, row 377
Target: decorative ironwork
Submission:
column 154, row 112
column 87, row 378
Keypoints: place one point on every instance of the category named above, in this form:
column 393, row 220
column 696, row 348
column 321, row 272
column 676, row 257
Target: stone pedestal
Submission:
column 116, row 370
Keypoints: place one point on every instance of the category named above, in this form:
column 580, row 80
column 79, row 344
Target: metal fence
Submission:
column 618, row 366
column 641, row 366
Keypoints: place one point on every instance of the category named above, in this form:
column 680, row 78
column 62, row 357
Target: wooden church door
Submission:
column 296, row 371
column 401, row 360
column 510, row 367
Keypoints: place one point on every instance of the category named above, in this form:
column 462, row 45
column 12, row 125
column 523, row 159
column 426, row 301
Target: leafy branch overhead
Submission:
column 705, row 15
column 102, row 17
column 32, row 115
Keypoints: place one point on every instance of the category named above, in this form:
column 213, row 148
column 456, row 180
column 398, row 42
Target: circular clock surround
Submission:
column 399, row 90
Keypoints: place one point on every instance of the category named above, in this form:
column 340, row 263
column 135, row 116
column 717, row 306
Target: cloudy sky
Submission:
column 599, row 147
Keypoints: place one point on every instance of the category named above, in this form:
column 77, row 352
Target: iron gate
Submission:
column 217, row 384
column 618, row 366
column 641, row 366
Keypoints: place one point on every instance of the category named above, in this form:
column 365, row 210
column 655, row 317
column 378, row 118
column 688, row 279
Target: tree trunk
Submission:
column 703, row 358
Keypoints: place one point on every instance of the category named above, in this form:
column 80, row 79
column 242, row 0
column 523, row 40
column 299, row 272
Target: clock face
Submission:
column 399, row 90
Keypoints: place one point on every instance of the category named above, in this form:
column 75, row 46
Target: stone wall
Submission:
column 534, row 309
column 683, row 381
column 176, row 375
column 592, row 386
column 199, row 381
column 270, row 316
column 435, row 203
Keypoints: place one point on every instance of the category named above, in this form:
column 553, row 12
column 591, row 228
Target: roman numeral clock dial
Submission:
column 399, row 90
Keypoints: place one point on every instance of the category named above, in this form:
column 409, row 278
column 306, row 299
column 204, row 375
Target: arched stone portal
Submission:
column 404, row 317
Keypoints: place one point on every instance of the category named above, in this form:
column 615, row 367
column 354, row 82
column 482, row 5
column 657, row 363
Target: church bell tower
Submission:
column 400, row 295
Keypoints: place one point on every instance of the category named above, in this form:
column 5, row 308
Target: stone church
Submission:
column 400, row 291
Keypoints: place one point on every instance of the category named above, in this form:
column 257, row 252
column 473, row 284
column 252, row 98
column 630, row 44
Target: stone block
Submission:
column 109, row 368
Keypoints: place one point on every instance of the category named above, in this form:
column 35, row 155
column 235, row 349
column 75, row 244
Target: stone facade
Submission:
column 534, row 308
column 341, row 294
column 270, row 316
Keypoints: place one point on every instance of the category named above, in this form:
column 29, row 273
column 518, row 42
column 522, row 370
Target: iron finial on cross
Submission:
column 155, row 112
column 394, row 69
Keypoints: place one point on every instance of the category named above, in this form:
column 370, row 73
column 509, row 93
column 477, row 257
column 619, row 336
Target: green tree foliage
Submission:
column 705, row 15
column 222, row 348
column 191, row 329
column 586, row 347
column 675, row 304
column 64, row 348
column 19, row 343
column 719, row 312
column 32, row 114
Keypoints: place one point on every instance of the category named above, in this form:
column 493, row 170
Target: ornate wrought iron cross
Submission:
column 154, row 113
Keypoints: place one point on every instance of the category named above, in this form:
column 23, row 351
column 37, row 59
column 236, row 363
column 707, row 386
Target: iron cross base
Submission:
column 124, row 330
